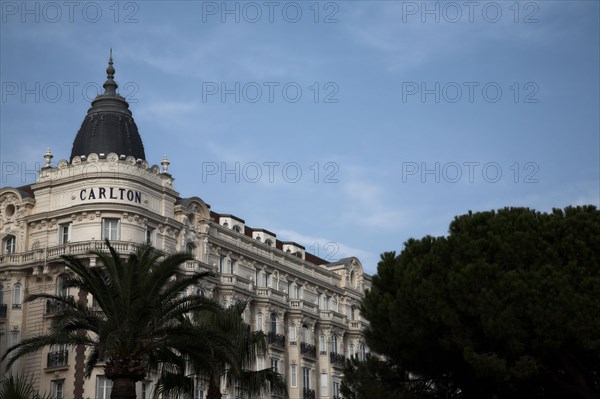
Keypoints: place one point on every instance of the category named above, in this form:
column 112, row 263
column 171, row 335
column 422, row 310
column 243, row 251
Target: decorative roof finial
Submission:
column 48, row 158
column 110, row 86
column 165, row 164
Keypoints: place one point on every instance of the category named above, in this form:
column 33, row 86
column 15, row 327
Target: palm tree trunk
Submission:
column 123, row 388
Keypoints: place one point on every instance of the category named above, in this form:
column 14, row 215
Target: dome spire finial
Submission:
column 110, row 86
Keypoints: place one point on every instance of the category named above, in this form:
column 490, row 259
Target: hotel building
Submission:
column 308, row 307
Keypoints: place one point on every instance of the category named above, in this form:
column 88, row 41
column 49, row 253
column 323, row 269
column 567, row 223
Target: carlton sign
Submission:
column 110, row 193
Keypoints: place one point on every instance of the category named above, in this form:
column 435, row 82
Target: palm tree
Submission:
column 232, row 365
column 143, row 322
column 19, row 387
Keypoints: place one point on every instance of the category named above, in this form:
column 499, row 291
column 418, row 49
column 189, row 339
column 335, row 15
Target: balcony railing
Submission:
column 336, row 358
column 308, row 349
column 308, row 393
column 57, row 359
column 72, row 248
column 2, row 311
column 53, row 306
column 277, row 340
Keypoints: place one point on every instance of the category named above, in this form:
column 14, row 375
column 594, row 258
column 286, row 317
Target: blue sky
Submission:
column 346, row 126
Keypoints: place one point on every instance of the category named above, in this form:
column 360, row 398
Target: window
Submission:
column 336, row 387
column 324, row 385
column 275, row 365
column 306, row 377
column 189, row 248
column 103, row 387
column 61, row 290
column 292, row 335
column 10, row 245
column 237, row 229
column 269, row 242
column 15, row 338
column 334, row 343
column 363, row 353
column 222, row 264
column 145, row 390
column 293, row 290
column 273, row 323
column 233, row 266
column 110, row 229
column 322, row 347
column 150, row 235
column 260, row 363
column 1, row 294
column 294, row 376
column 259, row 322
column 17, row 296
column 305, row 334
column 64, row 233
column 58, row 389
column 200, row 292
column 351, row 350
column 199, row 393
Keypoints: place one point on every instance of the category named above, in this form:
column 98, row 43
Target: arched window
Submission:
column 363, row 353
column 305, row 333
column 352, row 310
column 237, row 229
column 269, row 242
column 10, row 245
column 351, row 350
column 200, row 292
column 273, row 323
column 189, row 248
column 17, row 296
column 61, row 290
column 259, row 322
column 334, row 343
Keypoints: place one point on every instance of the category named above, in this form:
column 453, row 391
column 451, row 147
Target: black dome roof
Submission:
column 109, row 125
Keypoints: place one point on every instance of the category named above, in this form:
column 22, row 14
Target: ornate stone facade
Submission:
column 307, row 306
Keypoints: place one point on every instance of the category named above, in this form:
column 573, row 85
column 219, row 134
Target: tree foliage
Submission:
column 19, row 387
column 234, row 366
column 141, row 320
column 506, row 306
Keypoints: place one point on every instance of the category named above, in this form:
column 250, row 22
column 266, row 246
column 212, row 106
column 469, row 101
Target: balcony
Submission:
column 58, row 359
column 53, row 307
column 336, row 358
column 308, row 349
column 72, row 248
column 308, row 393
column 2, row 311
column 277, row 340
